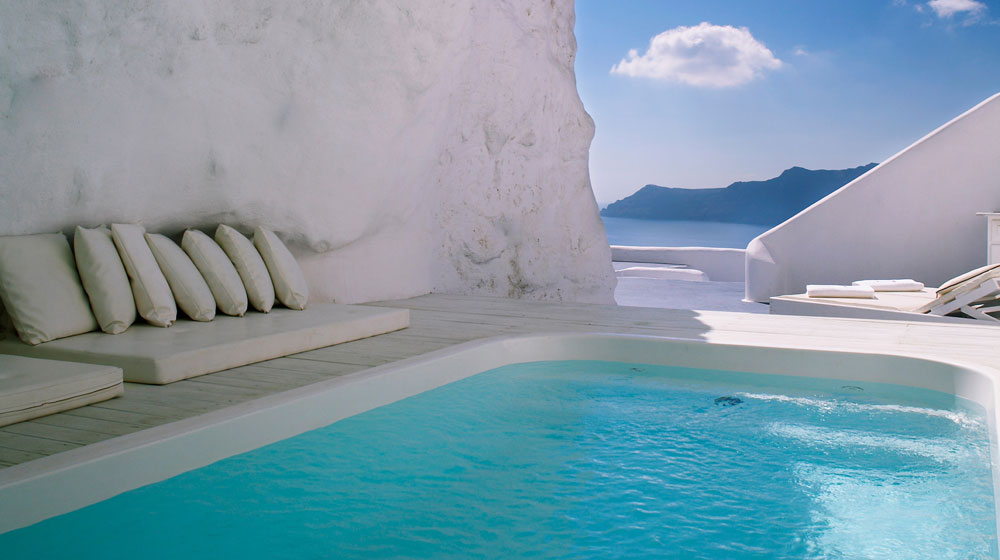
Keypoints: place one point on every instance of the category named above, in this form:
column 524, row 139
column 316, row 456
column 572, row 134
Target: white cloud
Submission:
column 800, row 51
column 705, row 55
column 949, row 8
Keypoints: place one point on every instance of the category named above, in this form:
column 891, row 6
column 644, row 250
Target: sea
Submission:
column 667, row 233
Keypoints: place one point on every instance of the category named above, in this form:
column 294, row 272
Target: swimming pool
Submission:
column 134, row 461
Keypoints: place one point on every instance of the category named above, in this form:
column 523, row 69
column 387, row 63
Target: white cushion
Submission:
column 30, row 387
column 104, row 278
column 190, row 348
column 149, row 286
column 289, row 281
column 218, row 271
column 249, row 265
column 190, row 290
column 40, row 288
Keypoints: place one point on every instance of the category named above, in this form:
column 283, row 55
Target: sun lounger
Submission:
column 974, row 295
column 30, row 387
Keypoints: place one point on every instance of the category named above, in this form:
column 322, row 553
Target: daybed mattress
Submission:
column 149, row 354
column 30, row 387
column 896, row 306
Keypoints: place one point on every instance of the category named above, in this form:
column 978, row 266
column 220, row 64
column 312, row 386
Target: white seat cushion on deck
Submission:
column 190, row 291
column 286, row 274
column 104, row 278
column 30, row 387
column 218, row 271
column 41, row 289
column 189, row 348
column 249, row 265
column 149, row 287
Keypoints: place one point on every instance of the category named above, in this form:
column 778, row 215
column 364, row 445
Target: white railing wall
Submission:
column 720, row 265
column 913, row 216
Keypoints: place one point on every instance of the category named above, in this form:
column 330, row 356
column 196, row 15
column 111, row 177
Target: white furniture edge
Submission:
column 34, row 491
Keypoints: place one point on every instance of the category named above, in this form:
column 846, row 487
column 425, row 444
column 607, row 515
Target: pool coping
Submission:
column 49, row 486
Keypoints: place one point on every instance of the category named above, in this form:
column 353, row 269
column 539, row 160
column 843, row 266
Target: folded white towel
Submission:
column 821, row 290
column 900, row 285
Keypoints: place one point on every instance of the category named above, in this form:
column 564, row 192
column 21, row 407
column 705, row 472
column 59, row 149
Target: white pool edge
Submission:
column 50, row 486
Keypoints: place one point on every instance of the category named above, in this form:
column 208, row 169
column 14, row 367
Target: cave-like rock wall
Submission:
column 399, row 146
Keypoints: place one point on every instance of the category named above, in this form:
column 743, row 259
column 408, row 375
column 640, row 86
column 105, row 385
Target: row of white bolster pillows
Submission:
column 125, row 270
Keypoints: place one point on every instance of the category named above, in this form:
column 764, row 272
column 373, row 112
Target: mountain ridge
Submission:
column 768, row 202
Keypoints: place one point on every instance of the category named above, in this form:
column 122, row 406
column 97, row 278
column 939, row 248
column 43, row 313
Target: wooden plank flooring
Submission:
column 438, row 321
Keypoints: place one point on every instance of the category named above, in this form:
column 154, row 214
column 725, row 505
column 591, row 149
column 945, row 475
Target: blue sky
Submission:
column 768, row 84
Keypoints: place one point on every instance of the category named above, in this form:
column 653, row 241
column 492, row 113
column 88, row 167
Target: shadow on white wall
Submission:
column 913, row 216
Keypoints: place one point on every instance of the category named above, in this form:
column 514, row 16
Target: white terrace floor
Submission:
column 439, row 321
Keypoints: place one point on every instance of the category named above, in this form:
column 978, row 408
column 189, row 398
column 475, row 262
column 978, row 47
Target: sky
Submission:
column 702, row 93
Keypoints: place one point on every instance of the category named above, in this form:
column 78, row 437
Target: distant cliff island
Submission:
column 765, row 203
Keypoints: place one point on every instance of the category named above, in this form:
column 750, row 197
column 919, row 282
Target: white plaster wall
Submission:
column 720, row 264
column 400, row 146
column 913, row 216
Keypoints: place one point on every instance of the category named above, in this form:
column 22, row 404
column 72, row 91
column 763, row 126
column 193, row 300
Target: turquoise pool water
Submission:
column 579, row 460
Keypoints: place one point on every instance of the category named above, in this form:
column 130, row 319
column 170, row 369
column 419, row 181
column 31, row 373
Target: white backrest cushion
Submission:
column 218, row 271
column 149, row 287
column 249, row 265
column 289, row 281
column 190, row 290
column 40, row 288
column 104, row 279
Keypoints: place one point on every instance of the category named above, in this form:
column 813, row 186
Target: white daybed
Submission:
column 30, row 387
column 974, row 294
column 155, row 355
column 899, row 306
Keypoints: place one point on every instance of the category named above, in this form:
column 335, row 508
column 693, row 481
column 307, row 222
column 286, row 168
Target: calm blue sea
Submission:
column 658, row 233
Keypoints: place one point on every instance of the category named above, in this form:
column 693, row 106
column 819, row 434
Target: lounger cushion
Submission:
column 249, row 265
column 894, row 285
column 189, row 348
column 41, row 289
column 149, row 287
column 837, row 291
column 190, row 290
column 218, row 271
column 30, row 387
column 289, row 281
column 104, row 279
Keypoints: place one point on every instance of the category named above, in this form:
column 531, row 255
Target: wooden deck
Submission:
column 439, row 321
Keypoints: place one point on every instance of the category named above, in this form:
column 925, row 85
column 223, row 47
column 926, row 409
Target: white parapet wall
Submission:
column 720, row 265
column 399, row 146
column 913, row 216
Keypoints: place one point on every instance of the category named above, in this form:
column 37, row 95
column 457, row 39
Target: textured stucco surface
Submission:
column 913, row 216
column 400, row 146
